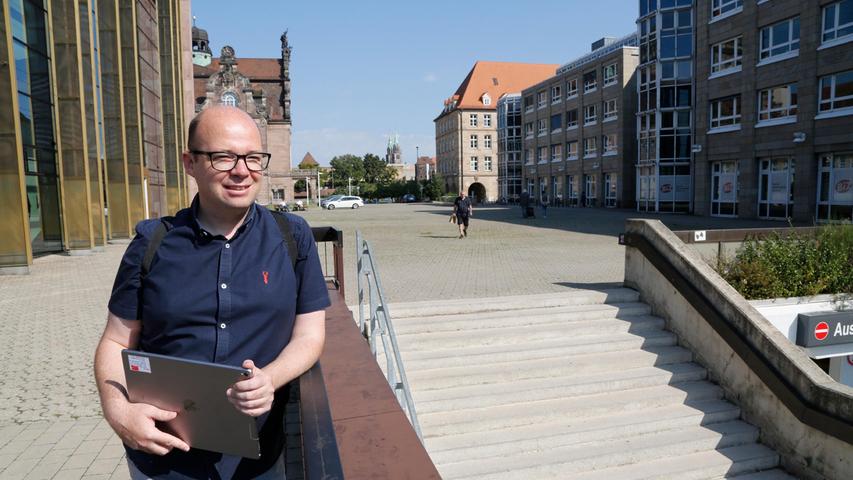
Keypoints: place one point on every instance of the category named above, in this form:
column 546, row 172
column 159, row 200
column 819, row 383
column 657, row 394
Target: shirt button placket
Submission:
column 222, row 338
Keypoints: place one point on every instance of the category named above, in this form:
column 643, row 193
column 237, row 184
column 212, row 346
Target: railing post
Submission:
column 359, row 254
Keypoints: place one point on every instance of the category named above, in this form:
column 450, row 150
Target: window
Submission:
column 556, row 92
column 781, row 40
column 528, row 103
column 725, row 113
column 837, row 22
column 572, row 150
column 836, row 93
column 776, row 187
column 589, row 147
column 777, row 103
column 556, row 122
column 610, row 75
column 229, row 99
column 540, row 99
column 610, row 110
column 723, row 7
column 543, row 154
column 487, row 100
column 556, row 152
column 528, row 130
column 572, row 88
column 487, row 141
column 472, row 120
column 589, row 82
column 487, row 164
column 542, row 126
column 835, row 187
column 608, row 144
column 474, row 164
column 571, row 119
column 589, row 115
column 724, row 189
column 473, row 141
column 487, row 120
column 610, row 190
column 726, row 56
column 528, row 157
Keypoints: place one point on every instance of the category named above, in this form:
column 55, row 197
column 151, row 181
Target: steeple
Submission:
column 201, row 46
column 284, row 77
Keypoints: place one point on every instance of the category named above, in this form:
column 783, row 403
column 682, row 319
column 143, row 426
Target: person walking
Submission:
column 544, row 204
column 464, row 210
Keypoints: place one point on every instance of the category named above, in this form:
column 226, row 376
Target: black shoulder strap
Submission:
column 287, row 235
column 156, row 238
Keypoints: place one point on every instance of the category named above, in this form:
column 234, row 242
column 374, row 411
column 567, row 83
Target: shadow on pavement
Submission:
column 599, row 286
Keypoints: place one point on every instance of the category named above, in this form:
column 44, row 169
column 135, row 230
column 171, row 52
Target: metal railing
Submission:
column 378, row 324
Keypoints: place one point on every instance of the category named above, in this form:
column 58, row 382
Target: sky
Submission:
column 363, row 70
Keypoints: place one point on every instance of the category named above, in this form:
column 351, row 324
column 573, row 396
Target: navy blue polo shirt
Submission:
column 219, row 300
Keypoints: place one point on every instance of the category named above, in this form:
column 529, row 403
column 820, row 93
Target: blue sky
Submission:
column 362, row 70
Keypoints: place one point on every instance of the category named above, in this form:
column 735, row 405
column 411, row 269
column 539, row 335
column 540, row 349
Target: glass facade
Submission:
column 509, row 147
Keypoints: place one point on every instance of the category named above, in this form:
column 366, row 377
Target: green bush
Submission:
column 797, row 266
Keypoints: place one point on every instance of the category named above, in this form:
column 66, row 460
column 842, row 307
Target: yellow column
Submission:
column 132, row 110
column 94, row 119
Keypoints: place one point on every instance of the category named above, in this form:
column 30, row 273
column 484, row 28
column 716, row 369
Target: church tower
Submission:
column 393, row 155
column 201, row 47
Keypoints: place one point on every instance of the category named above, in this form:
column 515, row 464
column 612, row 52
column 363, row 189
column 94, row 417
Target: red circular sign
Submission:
column 821, row 330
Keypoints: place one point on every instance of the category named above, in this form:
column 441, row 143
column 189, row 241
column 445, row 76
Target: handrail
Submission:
column 380, row 323
column 336, row 238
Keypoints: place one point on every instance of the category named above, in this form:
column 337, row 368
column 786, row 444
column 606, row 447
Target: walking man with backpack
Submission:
column 224, row 281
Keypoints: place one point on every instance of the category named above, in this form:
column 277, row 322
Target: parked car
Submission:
column 409, row 198
column 345, row 202
column 332, row 198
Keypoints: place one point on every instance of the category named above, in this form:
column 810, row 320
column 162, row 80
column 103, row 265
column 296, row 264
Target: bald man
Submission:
column 221, row 288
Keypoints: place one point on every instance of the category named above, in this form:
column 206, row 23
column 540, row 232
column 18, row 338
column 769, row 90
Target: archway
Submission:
column 477, row 192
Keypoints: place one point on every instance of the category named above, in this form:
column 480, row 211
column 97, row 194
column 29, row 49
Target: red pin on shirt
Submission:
column 266, row 277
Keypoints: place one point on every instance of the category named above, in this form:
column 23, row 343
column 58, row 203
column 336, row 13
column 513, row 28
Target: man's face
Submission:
column 225, row 131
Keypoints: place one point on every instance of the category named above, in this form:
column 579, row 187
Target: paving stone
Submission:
column 70, row 474
column 79, row 460
column 102, row 467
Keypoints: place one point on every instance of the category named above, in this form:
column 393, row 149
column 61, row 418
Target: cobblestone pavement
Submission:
column 50, row 424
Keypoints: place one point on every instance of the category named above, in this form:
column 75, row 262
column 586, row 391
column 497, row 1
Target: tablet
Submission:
column 196, row 391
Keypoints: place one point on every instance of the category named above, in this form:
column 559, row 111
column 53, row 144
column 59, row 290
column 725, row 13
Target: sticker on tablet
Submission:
column 138, row 364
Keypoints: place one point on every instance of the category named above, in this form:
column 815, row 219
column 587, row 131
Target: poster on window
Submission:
column 727, row 188
column 682, row 188
column 842, row 188
column 779, row 187
column 666, row 191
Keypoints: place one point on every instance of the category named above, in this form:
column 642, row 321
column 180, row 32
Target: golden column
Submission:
column 132, row 110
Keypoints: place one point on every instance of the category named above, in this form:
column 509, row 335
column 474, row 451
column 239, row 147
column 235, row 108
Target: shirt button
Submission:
column 222, row 325
column 227, row 245
column 224, row 286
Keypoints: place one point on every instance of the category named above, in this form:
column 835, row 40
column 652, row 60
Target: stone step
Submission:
column 569, row 431
column 510, row 302
column 427, row 378
column 514, row 318
column 557, row 410
column 578, row 332
column 539, row 389
column 570, row 460
column 550, row 348
column 718, row 463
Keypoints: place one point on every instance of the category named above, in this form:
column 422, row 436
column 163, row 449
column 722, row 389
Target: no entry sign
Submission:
column 818, row 329
column 821, row 331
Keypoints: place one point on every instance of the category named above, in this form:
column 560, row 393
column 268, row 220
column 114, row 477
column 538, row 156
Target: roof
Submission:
column 308, row 159
column 425, row 159
column 495, row 79
column 254, row 68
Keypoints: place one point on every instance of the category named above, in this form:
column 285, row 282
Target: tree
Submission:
column 299, row 186
column 434, row 187
column 346, row 167
column 377, row 171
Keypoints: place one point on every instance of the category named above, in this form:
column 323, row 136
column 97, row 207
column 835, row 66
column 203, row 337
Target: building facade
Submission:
column 774, row 109
column 579, row 129
column 261, row 88
column 466, row 130
column 509, row 147
column 424, row 168
column 82, row 160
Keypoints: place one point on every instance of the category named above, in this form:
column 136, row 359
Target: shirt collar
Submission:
column 202, row 233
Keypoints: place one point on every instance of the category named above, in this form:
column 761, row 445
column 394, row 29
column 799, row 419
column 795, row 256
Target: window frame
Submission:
column 556, row 94
column 487, row 141
column 541, row 99
column 609, row 115
column 735, row 117
column 571, row 93
column 609, row 147
column 789, row 53
column 836, row 40
column 487, row 120
column 718, row 68
column 472, row 119
column 473, row 141
column 766, row 110
column 571, row 125
column 832, row 110
column 723, row 8
column 542, row 127
column 569, row 155
column 590, row 147
column 587, row 119
column 589, row 87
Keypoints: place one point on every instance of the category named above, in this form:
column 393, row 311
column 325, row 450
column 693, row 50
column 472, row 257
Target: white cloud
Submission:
column 430, row 77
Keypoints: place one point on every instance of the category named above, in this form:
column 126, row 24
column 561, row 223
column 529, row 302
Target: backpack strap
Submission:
column 287, row 235
column 156, row 239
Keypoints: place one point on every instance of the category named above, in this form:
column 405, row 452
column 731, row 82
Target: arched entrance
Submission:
column 477, row 192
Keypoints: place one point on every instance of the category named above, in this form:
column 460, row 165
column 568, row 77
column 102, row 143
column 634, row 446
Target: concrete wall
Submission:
column 805, row 451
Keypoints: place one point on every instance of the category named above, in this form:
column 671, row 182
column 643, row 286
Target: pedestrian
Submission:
column 544, row 204
column 524, row 201
column 226, row 283
column 464, row 210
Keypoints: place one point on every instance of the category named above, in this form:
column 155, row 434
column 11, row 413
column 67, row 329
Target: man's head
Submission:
column 462, row 194
column 223, row 129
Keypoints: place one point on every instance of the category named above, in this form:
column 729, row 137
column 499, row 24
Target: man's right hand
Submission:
column 135, row 424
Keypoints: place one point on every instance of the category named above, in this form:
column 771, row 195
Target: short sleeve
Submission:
column 313, row 294
column 124, row 299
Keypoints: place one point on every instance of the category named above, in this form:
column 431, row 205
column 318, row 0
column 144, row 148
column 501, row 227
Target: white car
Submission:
column 345, row 202
column 326, row 200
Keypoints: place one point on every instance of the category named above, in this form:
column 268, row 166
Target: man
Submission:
column 222, row 289
column 463, row 210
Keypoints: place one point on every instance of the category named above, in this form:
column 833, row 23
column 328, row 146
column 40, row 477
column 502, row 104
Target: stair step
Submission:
column 514, row 318
column 719, row 463
column 481, row 355
column 590, row 332
column 510, row 302
column 475, row 419
column 578, row 458
column 426, row 378
column 775, row 474
column 569, row 431
column 532, row 390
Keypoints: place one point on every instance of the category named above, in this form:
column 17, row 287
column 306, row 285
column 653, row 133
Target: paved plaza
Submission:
column 50, row 425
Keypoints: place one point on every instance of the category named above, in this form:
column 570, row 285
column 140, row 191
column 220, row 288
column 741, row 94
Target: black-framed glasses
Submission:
column 226, row 161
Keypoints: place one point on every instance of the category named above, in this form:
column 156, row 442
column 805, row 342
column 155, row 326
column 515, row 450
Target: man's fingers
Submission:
column 248, row 384
column 160, row 415
column 169, row 441
column 244, row 405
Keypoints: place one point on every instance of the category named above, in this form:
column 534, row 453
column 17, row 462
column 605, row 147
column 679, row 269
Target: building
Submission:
column 466, row 130
column 774, row 109
column 424, row 168
column 260, row 87
column 509, row 147
column 579, row 129
column 93, row 124
column 394, row 159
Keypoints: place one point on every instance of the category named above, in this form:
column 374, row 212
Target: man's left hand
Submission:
column 253, row 395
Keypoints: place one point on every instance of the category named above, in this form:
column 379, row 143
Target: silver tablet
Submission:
column 196, row 391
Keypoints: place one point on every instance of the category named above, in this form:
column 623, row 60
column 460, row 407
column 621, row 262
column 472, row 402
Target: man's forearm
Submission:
column 109, row 375
column 302, row 352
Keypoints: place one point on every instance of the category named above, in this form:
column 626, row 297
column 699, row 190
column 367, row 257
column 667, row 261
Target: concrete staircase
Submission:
column 576, row 385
